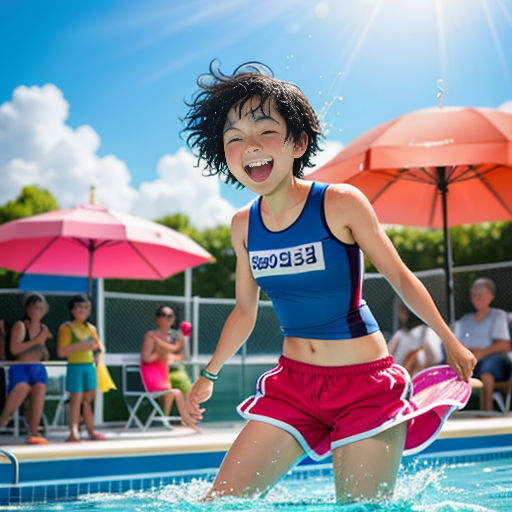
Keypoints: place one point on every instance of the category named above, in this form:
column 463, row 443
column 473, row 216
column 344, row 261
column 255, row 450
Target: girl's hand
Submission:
column 479, row 353
column 93, row 345
column 200, row 392
column 46, row 333
column 461, row 360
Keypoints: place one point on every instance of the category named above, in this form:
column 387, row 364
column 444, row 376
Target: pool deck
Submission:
column 214, row 438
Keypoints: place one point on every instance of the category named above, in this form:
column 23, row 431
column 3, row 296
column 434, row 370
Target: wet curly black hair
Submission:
column 204, row 122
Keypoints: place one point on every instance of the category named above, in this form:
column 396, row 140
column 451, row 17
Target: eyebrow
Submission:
column 262, row 117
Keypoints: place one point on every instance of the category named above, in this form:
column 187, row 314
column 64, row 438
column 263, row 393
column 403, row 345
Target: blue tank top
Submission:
column 313, row 279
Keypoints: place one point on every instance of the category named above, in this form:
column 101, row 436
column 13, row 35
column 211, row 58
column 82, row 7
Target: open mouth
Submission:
column 259, row 170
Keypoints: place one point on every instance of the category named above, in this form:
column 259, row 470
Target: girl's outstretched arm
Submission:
column 350, row 215
column 241, row 320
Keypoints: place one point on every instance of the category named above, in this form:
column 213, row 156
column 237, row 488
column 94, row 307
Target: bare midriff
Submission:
column 34, row 354
column 336, row 352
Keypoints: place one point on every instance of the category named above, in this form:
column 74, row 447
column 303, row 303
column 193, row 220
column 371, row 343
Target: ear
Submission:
column 300, row 146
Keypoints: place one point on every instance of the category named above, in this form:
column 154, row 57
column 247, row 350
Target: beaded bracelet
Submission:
column 210, row 376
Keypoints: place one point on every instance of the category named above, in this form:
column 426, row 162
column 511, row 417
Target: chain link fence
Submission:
column 127, row 317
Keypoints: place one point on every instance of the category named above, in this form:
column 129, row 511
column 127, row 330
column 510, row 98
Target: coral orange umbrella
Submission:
column 435, row 167
column 94, row 241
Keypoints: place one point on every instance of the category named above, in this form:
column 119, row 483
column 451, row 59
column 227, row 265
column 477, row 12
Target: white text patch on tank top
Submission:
column 288, row 260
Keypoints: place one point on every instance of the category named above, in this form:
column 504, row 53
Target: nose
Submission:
column 252, row 145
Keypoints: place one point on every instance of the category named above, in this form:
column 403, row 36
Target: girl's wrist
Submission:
column 208, row 375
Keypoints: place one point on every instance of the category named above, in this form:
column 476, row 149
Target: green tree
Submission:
column 32, row 200
column 423, row 249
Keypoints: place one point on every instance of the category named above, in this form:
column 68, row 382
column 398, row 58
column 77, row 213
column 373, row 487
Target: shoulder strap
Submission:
column 255, row 223
column 74, row 336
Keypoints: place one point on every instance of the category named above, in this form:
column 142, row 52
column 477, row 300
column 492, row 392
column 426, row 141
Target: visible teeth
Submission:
column 259, row 163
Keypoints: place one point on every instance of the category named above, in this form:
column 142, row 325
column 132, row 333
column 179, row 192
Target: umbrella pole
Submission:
column 442, row 185
column 89, row 273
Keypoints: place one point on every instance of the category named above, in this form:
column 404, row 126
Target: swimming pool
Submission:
column 468, row 468
column 474, row 481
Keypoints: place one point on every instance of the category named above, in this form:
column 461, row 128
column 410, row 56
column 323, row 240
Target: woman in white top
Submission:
column 417, row 348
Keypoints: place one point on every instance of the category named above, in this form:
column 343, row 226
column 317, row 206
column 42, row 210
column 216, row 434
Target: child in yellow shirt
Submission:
column 77, row 341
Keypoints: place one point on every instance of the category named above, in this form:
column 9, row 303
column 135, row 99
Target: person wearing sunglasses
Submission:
column 163, row 346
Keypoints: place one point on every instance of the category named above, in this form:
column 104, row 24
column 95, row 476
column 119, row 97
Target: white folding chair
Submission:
column 133, row 388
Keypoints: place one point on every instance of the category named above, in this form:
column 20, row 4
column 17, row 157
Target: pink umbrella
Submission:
column 93, row 241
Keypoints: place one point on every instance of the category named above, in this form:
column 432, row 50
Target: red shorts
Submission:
column 327, row 407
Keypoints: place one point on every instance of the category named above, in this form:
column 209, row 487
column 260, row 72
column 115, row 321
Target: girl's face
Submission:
column 258, row 152
column 36, row 310
column 81, row 311
column 165, row 318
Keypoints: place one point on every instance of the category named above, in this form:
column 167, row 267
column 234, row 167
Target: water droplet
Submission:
column 257, row 473
column 319, row 92
column 340, row 98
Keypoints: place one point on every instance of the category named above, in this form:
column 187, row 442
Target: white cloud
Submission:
column 506, row 107
column 182, row 188
column 38, row 147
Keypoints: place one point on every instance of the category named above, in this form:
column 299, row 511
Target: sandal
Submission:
column 96, row 436
column 36, row 440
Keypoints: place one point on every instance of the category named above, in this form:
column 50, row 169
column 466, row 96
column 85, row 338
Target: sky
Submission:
column 91, row 93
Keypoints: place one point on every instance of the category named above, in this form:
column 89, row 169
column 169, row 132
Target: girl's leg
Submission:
column 183, row 410
column 75, row 406
column 37, row 394
column 14, row 400
column 260, row 455
column 166, row 402
column 87, row 410
column 368, row 468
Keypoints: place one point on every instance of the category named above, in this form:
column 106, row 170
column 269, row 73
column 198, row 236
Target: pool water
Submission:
column 456, row 483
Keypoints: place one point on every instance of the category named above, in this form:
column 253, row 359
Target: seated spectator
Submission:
column 485, row 332
column 27, row 377
column 160, row 348
column 414, row 348
column 78, row 340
